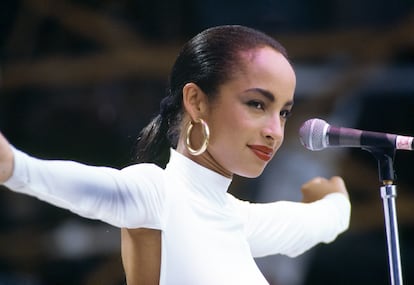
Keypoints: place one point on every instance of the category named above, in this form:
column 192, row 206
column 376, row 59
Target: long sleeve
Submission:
column 291, row 228
column 122, row 198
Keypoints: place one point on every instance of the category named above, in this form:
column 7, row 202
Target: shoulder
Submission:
column 148, row 173
column 149, row 168
column 241, row 207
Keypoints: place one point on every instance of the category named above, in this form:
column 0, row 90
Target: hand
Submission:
column 319, row 187
column 6, row 159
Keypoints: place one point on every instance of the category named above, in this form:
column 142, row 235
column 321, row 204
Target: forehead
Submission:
column 268, row 60
column 264, row 68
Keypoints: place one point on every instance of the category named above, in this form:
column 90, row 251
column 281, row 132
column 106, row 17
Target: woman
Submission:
column 230, row 94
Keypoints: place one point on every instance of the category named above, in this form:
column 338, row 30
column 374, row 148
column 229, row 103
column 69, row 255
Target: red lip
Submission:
column 263, row 152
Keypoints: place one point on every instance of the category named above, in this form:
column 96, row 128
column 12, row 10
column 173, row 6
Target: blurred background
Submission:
column 79, row 79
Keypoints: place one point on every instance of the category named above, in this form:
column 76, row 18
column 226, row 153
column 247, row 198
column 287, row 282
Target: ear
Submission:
column 194, row 101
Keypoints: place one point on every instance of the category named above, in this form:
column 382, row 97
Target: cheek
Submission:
column 218, row 118
column 231, row 128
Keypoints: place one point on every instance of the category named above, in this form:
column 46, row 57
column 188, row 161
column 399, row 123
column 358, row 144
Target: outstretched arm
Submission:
column 291, row 228
column 128, row 198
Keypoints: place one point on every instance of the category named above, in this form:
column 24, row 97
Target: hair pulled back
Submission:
column 208, row 60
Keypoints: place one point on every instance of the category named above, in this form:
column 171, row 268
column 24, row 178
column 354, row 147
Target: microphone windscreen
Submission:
column 312, row 134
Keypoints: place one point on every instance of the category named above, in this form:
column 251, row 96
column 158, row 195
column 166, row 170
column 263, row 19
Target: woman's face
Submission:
column 247, row 119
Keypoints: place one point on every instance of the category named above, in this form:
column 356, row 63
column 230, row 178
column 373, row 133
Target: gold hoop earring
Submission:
column 206, row 133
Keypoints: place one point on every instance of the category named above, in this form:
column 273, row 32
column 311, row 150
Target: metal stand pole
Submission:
column 388, row 191
column 388, row 194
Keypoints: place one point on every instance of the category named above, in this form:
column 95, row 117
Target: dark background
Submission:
column 79, row 79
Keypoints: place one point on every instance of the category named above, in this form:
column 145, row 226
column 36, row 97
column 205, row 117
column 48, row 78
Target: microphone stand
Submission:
column 385, row 158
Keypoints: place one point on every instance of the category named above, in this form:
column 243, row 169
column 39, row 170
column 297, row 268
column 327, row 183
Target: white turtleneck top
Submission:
column 208, row 235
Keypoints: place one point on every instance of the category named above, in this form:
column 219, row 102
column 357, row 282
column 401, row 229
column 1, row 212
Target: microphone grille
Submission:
column 312, row 134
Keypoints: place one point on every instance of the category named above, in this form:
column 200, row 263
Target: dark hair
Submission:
column 208, row 60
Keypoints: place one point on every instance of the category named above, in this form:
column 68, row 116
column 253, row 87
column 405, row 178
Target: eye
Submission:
column 285, row 113
column 256, row 104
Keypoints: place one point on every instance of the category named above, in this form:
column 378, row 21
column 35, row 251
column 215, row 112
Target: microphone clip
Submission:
column 385, row 158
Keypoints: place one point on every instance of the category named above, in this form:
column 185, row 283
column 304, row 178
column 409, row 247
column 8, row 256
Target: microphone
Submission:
column 316, row 134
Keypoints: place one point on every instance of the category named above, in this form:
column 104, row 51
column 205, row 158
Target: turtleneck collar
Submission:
column 199, row 177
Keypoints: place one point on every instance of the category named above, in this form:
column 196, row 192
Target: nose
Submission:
column 274, row 129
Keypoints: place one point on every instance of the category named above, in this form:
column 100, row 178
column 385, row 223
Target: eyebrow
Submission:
column 269, row 95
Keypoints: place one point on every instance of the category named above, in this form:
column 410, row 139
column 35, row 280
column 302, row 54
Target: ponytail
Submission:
column 153, row 145
column 161, row 134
